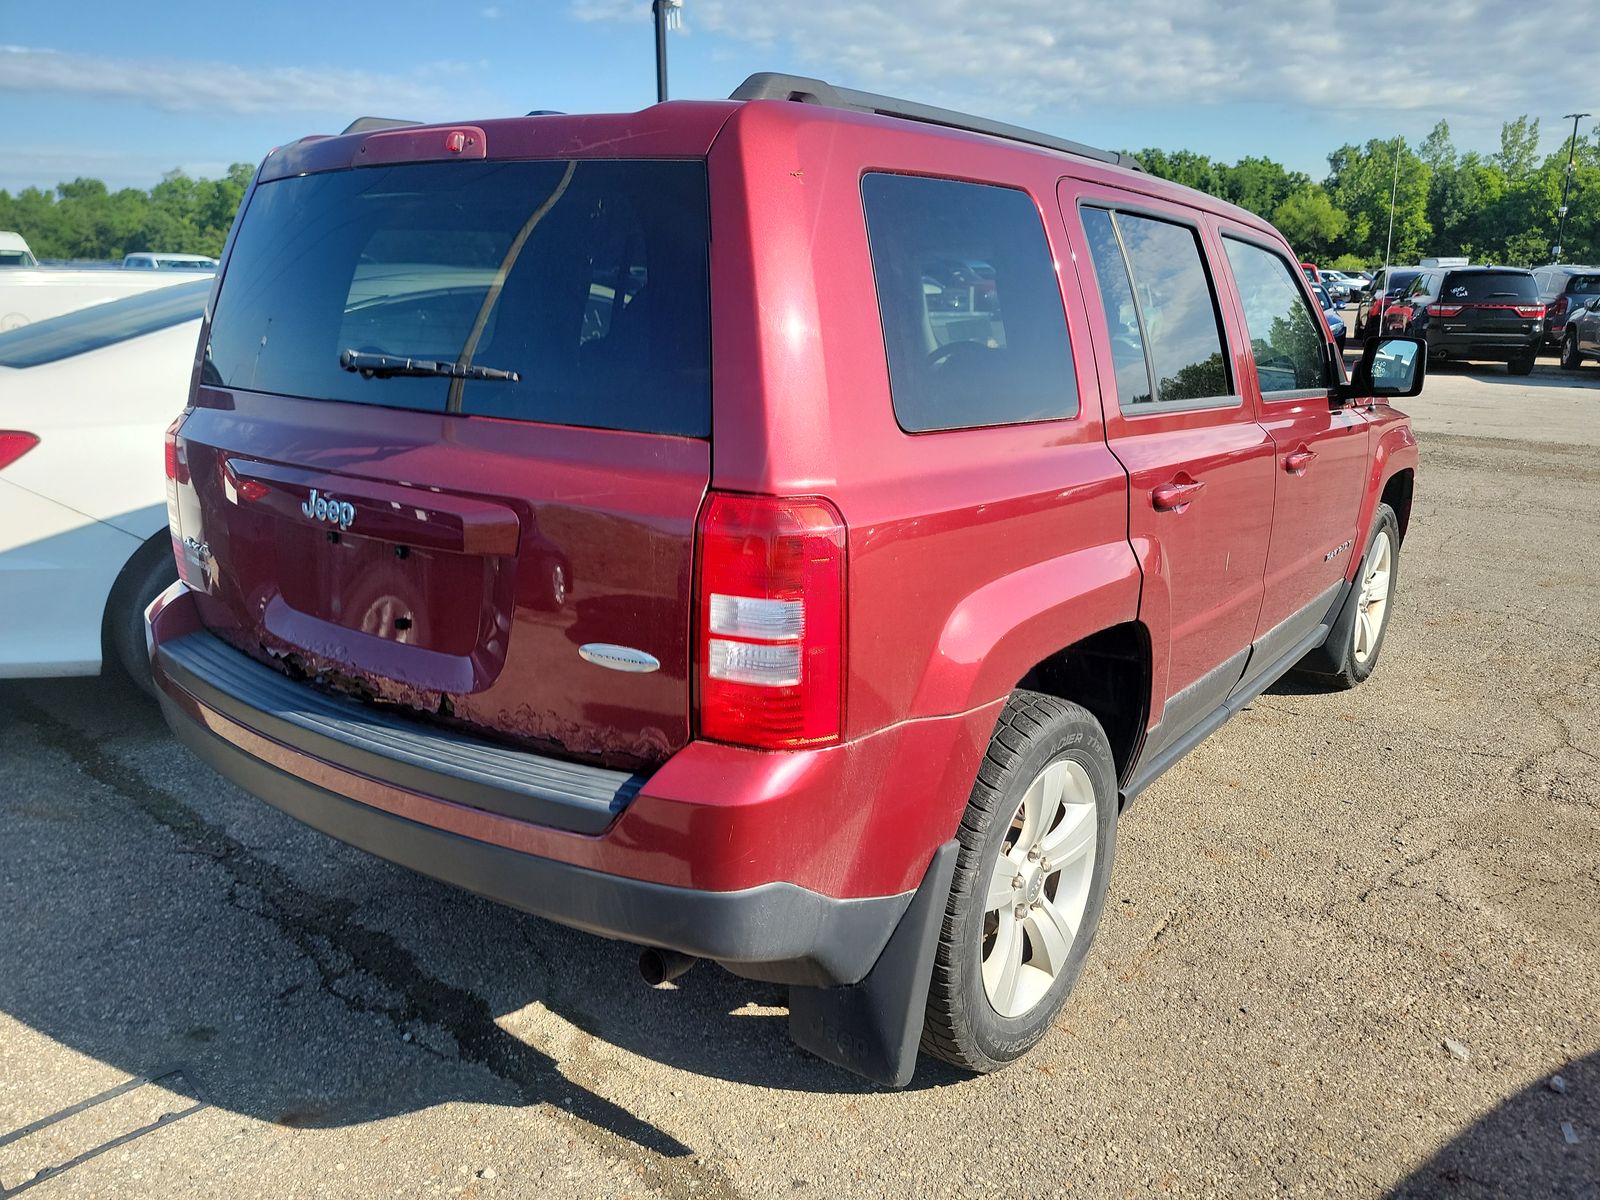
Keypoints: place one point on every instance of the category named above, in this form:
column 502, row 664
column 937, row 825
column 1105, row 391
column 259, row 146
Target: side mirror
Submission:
column 1391, row 366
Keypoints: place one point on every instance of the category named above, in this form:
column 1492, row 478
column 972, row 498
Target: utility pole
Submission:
column 1394, row 191
column 1566, row 186
column 666, row 17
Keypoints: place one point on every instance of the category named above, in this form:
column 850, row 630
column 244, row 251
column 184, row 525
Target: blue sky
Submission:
column 125, row 92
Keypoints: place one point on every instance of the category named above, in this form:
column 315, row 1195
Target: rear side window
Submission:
column 1399, row 282
column 1490, row 287
column 1584, row 285
column 1178, row 318
column 1285, row 335
column 973, row 323
column 102, row 325
column 586, row 280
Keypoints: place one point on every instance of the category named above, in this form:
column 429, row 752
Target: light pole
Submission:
column 1394, row 190
column 1566, row 186
column 666, row 17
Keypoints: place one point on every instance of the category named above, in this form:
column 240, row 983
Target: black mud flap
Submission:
column 873, row 1027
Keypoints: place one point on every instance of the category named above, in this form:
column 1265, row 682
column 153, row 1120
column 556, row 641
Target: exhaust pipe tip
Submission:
column 663, row 966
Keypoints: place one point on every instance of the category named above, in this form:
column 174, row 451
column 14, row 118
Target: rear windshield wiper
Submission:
column 386, row 366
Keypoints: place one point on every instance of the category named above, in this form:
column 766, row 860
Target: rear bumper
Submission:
column 1495, row 347
column 719, row 854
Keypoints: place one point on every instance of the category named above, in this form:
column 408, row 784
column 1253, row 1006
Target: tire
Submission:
column 1571, row 360
column 1522, row 365
column 1040, row 744
column 147, row 574
column 1350, row 652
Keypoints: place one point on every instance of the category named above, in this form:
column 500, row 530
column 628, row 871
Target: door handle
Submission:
column 1297, row 461
column 1175, row 496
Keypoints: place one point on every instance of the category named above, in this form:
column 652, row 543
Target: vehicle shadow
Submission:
column 1545, row 374
column 156, row 917
column 1540, row 1142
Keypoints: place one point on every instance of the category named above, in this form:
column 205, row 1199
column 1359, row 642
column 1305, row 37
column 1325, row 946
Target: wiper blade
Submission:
column 387, row 366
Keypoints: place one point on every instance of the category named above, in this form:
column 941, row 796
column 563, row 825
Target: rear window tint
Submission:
column 102, row 325
column 1489, row 286
column 973, row 323
column 588, row 280
column 1584, row 285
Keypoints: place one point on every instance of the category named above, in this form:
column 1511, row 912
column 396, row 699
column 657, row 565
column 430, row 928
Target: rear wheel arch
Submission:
column 147, row 572
column 1109, row 673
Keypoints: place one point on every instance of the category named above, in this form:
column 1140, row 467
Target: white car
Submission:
column 168, row 262
column 36, row 293
column 85, row 400
column 14, row 250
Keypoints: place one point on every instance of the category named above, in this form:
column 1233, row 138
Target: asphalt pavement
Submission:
column 1352, row 941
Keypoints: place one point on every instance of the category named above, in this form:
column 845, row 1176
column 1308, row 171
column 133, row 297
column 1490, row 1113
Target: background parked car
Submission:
column 1369, row 310
column 1564, row 288
column 84, row 544
column 1331, row 314
column 1482, row 313
column 1581, row 338
column 168, row 262
column 1351, row 285
column 37, row 293
column 14, row 251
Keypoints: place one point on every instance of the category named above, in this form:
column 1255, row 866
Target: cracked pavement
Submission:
column 1301, row 913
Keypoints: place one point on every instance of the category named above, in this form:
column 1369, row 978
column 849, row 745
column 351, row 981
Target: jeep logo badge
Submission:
column 326, row 508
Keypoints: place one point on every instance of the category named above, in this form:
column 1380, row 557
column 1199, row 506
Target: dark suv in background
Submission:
column 1483, row 313
column 1383, row 289
column 1564, row 288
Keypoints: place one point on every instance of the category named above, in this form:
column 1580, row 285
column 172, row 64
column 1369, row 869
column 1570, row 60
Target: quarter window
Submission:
column 1285, row 335
column 973, row 325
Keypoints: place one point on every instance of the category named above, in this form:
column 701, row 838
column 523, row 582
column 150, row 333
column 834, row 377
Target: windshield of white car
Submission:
column 102, row 325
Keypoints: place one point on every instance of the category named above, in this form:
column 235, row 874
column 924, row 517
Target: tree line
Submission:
column 1498, row 207
column 1495, row 208
column 84, row 219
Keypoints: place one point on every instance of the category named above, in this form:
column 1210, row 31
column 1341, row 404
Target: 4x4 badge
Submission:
column 326, row 508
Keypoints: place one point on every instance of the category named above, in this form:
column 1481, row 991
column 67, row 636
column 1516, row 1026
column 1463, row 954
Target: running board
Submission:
column 1252, row 686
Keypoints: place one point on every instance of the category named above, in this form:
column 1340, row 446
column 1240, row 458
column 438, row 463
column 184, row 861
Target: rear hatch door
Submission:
column 450, row 441
column 1494, row 306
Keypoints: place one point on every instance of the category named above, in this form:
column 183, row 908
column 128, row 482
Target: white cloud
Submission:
column 1472, row 57
column 176, row 85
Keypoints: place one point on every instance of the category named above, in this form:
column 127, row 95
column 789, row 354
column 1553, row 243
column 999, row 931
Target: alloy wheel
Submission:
column 1372, row 607
column 1038, row 888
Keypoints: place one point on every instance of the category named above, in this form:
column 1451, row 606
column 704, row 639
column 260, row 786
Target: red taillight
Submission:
column 770, row 638
column 1559, row 307
column 177, row 463
column 1530, row 310
column 14, row 444
column 1443, row 310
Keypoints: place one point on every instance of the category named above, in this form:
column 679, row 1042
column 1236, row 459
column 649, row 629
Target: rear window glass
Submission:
column 1584, row 285
column 102, row 325
column 586, row 280
column 973, row 323
column 1487, row 286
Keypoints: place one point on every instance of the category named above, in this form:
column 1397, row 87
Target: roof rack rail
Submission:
column 772, row 85
column 368, row 124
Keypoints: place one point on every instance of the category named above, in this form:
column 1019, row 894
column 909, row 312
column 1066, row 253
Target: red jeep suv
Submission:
column 784, row 531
